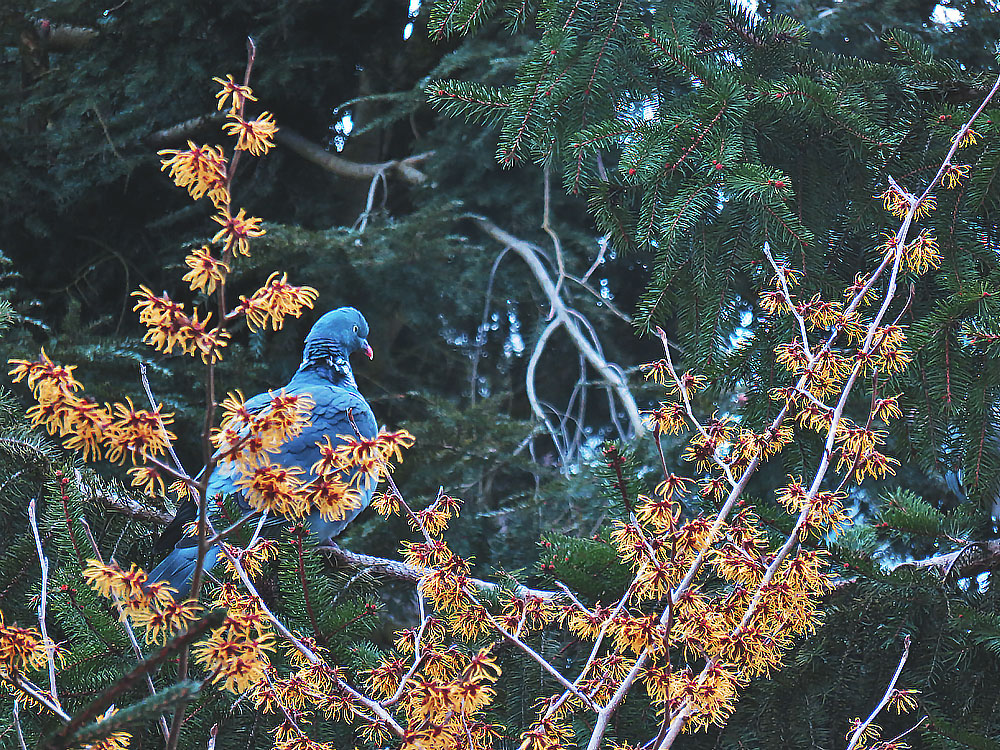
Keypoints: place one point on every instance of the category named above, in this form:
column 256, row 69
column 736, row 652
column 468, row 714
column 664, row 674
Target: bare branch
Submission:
column 29, row 688
column 44, row 563
column 975, row 558
column 63, row 37
column 529, row 651
column 403, row 572
column 159, row 420
column 182, row 130
column 559, row 440
column 405, row 169
column 889, row 691
column 530, row 254
column 17, row 725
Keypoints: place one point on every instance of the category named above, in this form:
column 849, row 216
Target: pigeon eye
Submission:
column 355, row 329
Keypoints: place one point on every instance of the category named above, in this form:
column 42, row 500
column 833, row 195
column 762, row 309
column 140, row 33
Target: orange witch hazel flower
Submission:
column 255, row 136
column 240, row 94
column 237, row 231
column 206, row 272
column 276, row 300
column 201, row 170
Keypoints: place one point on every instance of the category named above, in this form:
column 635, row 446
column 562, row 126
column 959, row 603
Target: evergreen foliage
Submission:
column 701, row 132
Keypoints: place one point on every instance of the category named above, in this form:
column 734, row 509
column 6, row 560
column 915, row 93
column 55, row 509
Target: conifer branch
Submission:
column 179, row 694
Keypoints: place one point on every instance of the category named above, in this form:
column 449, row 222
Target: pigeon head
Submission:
column 335, row 337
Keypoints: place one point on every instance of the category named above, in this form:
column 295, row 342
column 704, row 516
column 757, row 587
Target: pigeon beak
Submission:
column 367, row 349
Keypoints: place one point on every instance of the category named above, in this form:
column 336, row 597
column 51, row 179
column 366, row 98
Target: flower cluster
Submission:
column 201, row 170
column 168, row 325
column 118, row 430
column 149, row 604
column 21, row 650
column 275, row 301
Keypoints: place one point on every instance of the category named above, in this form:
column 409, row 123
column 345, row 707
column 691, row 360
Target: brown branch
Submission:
column 182, row 130
column 63, row 37
column 405, row 169
column 403, row 572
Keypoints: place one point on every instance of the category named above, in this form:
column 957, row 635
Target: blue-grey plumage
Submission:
column 325, row 375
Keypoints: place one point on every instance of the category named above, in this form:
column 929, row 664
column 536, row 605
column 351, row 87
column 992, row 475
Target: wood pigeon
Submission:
column 325, row 375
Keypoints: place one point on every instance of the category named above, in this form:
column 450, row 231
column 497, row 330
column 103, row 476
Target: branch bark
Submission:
column 405, row 169
column 975, row 558
column 403, row 572
column 182, row 130
column 63, row 37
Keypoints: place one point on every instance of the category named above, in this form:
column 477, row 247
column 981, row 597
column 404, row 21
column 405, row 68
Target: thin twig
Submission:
column 856, row 736
column 529, row 651
column 791, row 304
column 44, row 563
column 159, row 420
column 418, row 656
column 17, row 724
column 556, row 243
column 530, row 254
column 136, row 649
column 39, row 695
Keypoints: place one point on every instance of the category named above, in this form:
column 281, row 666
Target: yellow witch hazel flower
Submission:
column 954, row 174
column 20, row 649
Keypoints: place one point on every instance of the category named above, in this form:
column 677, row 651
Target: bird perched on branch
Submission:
column 338, row 412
